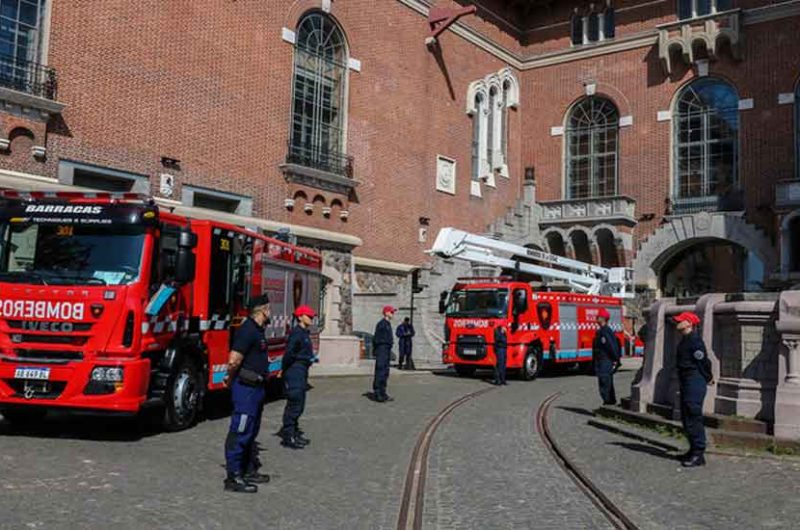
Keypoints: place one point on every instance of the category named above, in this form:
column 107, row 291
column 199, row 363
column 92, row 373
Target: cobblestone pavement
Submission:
column 98, row 475
column 490, row 470
column 487, row 470
column 650, row 486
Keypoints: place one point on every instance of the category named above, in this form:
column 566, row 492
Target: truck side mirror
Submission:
column 186, row 261
column 442, row 302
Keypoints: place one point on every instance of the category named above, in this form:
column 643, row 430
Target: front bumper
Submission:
column 68, row 382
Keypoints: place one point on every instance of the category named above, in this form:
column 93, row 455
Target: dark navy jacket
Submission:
column 500, row 339
column 383, row 339
column 693, row 358
column 606, row 346
column 404, row 333
column 299, row 350
column 249, row 340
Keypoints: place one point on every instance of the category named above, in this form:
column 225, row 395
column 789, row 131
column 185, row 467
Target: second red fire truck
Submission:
column 544, row 326
column 109, row 304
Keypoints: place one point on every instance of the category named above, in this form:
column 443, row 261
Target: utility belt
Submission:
column 250, row 377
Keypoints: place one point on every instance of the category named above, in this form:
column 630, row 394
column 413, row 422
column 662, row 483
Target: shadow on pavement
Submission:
column 621, row 432
column 647, row 449
column 577, row 410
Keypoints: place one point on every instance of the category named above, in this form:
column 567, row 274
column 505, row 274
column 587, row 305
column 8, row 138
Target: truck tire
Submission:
column 24, row 416
column 183, row 396
column 532, row 364
column 465, row 370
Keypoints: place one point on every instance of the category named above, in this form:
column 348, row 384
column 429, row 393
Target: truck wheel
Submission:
column 532, row 365
column 24, row 416
column 465, row 370
column 182, row 398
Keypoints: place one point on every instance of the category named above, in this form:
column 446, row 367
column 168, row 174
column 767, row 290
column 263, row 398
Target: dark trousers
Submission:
column 382, row 359
column 604, row 369
column 405, row 355
column 693, row 393
column 241, row 450
column 294, row 385
column 500, row 365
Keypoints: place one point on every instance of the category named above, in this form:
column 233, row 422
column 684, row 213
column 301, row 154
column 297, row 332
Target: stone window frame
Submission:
column 601, row 21
column 244, row 203
column 691, row 9
column 488, row 158
column 676, row 116
column 66, row 175
column 593, row 155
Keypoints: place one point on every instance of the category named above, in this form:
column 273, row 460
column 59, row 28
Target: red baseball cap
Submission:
column 603, row 313
column 687, row 316
column 389, row 309
column 304, row 310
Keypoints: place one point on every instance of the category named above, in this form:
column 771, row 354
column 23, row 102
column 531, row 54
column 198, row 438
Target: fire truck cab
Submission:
column 109, row 304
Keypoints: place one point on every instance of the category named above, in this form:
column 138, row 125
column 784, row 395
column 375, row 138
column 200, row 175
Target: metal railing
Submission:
column 322, row 159
column 27, row 76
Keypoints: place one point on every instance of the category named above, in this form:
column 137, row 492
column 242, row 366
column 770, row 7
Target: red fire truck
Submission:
column 545, row 326
column 109, row 304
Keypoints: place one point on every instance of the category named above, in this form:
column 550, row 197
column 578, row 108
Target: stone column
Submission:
column 644, row 387
column 787, row 395
column 747, row 343
column 705, row 310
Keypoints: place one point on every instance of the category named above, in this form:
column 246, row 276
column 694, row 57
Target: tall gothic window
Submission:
column 706, row 128
column 592, row 146
column 318, row 110
column 477, row 123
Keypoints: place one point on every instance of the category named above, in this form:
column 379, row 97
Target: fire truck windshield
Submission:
column 72, row 254
column 491, row 303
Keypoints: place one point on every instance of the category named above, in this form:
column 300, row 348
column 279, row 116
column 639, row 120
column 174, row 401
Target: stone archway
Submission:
column 680, row 233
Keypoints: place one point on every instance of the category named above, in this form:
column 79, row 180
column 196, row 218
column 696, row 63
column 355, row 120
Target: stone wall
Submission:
column 337, row 268
column 747, row 337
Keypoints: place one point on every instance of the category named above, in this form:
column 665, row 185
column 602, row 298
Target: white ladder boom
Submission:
column 583, row 277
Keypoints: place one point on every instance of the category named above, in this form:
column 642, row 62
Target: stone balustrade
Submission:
column 620, row 209
column 753, row 343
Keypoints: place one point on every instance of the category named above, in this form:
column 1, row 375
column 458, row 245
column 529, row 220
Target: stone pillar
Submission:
column 787, row 395
column 643, row 390
column 705, row 310
column 529, row 191
column 337, row 268
column 747, row 344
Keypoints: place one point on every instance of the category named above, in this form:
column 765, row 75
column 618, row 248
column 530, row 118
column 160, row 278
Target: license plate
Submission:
column 469, row 351
column 38, row 374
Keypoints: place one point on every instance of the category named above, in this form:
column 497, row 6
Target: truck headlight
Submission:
column 107, row 374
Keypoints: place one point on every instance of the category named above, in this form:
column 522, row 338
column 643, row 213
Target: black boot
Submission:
column 238, row 484
column 292, row 442
column 694, row 461
column 301, row 437
column 254, row 477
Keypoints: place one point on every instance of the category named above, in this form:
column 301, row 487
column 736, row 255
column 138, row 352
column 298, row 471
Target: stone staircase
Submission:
column 520, row 225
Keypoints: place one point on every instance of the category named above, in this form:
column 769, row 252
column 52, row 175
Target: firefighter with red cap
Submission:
column 296, row 361
column 382, row 346
column 606, row 354
column 694, row 374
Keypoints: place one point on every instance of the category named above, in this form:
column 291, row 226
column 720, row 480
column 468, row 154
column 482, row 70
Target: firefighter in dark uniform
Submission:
column 405, row 334
column 500, row 348
column 296, row 361
column 606, row 355
column 248, row 366
column 382, row 346
column 694, row 374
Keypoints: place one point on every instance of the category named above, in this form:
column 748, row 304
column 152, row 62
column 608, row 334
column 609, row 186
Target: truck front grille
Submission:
column 48, row 356
column 471, row 348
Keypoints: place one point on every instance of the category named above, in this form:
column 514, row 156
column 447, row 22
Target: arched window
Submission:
column 492, row 118
column 706, row 128
column 320, row 74
column 504, row 118
column 592, row 147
